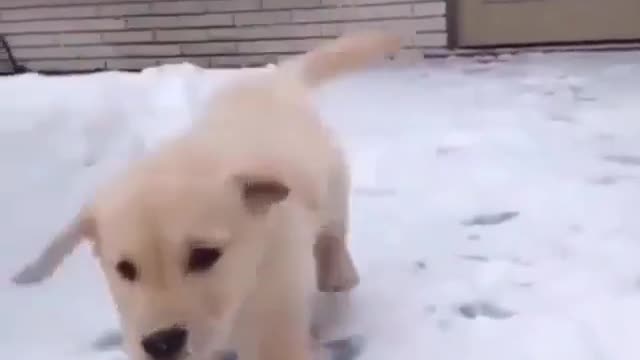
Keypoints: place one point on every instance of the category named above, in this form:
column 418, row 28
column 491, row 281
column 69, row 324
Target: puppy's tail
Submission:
column 53, row 255
column 348, row 53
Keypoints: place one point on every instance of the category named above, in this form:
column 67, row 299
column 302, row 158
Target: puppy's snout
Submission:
column 165, row 344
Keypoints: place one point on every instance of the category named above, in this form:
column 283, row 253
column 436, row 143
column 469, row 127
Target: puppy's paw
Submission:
column 110, row 340
column 347, row 348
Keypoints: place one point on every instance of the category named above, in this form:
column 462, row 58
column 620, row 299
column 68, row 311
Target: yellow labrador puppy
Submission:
column 209, row 243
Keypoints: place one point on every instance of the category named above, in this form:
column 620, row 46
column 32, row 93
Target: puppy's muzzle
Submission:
column 165, row 344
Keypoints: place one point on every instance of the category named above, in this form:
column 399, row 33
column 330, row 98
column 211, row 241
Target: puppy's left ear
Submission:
column 260, row 192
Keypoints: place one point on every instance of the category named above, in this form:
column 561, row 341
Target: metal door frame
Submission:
column 452, row 27
column 453, row 35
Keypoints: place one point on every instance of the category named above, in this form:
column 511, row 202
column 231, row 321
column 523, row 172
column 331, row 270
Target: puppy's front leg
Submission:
column 335, row 269
column 275, row 334
column 287, row 340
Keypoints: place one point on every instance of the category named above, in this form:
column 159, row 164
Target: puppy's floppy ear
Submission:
column 82, row 226
column 260, row 192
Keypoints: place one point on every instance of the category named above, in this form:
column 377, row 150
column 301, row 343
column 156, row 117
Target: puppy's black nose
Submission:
column 165, row 344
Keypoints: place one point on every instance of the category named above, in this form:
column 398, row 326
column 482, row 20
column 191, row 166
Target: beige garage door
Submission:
column 503, row 22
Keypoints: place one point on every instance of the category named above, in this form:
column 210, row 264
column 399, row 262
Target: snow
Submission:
column 494, row 208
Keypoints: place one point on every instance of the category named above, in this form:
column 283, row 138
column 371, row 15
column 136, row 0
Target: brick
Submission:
column 229, row 33
column 233, row 5
column 290, row 4
column 433, row 24
column 9, row 4
column 408, row 56
column 208, row 48
column 48, row 13
column 63, row 52
column 303, row 30
column 430, row 9
column 396, row 26
column 31, row 40
column 399, row 26
column 262, row 18
column 284, row 57
column 352, row 13
column 182, row 35
column 25, row 3
column 201, row 61
column 62, row 25
column 201, row 7
column 381, row 12
column 147, row 50
column 78, row 38
column 123, row 9
column 268, row 31
column 276, row 46
column 430, row 40
column 184, row 21
column 179, row 7
column 347, row 3
column 65, row 65
column 96, row 51
column 131, row 63
column 438, row 52
column 243, row 60
column 127, row 36
column 54, row 39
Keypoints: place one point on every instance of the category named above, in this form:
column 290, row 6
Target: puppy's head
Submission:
column 180, row 250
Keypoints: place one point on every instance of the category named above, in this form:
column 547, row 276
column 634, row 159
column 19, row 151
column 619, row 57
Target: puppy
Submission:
column 218, row 239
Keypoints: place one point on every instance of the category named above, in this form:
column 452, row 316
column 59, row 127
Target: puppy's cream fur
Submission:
column 261, row 179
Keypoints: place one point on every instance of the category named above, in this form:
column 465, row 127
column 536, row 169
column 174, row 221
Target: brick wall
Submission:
column 131, row 34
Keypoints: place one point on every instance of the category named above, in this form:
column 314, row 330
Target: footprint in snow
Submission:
column 628, row 160
column 108, row 341
column 346, row 349
column 487, row 309
column 491, row 219
column 472, row 257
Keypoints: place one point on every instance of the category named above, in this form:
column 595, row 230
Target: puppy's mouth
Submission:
column 186, row 355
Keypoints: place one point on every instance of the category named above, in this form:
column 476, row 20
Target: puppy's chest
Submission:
column 285, row 285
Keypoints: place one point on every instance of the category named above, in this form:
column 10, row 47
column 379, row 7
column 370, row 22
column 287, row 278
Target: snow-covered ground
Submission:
column 495, row 205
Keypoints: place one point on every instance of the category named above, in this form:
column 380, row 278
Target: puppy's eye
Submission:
column 202, row 259
column 127, row 270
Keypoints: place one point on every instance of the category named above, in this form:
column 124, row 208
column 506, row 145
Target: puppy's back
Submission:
column 268, row 120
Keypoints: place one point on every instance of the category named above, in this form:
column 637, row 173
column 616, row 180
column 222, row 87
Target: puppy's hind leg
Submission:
column 335, row 269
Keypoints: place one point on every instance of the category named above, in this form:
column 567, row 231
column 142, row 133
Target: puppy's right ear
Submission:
column 81, row 227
